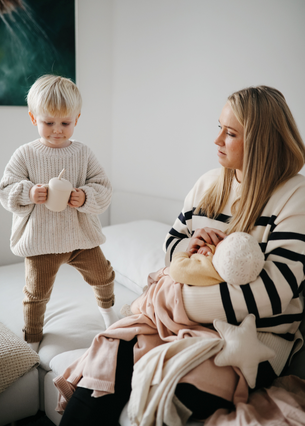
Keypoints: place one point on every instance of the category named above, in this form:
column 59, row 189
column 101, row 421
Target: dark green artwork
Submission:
column 37, row 37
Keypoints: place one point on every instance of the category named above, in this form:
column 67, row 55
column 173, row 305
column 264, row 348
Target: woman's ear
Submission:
column 33, row 119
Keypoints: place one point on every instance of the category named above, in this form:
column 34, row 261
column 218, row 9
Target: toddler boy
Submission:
column 49, row 239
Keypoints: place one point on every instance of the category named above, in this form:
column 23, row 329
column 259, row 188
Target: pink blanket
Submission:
column 282, row 404
column 161, row 319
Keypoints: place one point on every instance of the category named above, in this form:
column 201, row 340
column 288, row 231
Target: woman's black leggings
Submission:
column 83, row 410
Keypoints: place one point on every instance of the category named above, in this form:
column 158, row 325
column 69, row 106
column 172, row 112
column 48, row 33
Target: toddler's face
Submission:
column 55, row 131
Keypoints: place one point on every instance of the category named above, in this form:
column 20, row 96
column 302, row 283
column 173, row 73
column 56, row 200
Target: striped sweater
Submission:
column 37, row 230
column 276, row 296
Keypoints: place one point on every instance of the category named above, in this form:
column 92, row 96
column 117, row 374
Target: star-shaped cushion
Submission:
column 242, row 348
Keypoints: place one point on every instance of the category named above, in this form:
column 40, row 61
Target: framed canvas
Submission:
column 36, row 38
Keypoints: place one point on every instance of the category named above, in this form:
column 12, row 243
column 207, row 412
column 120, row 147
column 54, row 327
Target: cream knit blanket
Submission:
column 16, row 357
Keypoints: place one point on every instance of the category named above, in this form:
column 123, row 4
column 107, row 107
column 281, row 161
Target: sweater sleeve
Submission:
column 177, row 239
column 275, row 297
column 15, row 186
column 97, row 188
column 278, row 289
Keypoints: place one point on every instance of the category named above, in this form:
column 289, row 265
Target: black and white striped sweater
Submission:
column 276, row 296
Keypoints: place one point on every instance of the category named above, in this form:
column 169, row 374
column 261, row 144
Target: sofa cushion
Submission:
column 60, row 362
column 72, row 317
column 16, row 357
column 135, row 250
column 20, row 399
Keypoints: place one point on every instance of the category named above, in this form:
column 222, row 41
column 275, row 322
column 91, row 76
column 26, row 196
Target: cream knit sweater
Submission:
column 37, row 230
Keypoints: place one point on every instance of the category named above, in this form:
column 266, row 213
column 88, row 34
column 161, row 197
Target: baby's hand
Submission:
column 205, row 250
column 202, row 236
column 39, row 194
column 77, row 198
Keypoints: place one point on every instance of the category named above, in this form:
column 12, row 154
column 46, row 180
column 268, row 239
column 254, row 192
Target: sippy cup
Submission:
column 59, row 191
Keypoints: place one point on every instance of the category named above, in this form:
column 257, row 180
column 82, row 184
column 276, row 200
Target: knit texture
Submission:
column 16, row 357
column 275, row 297
column 40, row 274
column 37, row 230
column 239, row 258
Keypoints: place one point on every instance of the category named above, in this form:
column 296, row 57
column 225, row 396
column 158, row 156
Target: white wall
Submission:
column 16, row 129
column 94, row 76
column 174, row 64
column 155, row 74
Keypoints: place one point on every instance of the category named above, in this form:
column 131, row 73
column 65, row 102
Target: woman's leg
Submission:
column 84, row 410
column 202, row 404
column 265, row 376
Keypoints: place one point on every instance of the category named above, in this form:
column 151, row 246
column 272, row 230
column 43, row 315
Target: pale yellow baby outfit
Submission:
column 196, row 269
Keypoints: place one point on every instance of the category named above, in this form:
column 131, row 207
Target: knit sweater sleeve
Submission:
column 97, row 188
column 177, row 239
column 275, row 297
column 278, row 289
column 15, row 186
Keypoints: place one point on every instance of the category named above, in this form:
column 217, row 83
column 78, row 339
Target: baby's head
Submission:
column 55, row 96
column 238, row 258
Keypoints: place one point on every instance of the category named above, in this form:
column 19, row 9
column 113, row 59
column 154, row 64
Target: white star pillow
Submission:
column 242, row 348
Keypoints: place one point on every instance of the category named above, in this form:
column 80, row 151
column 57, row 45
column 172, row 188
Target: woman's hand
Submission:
column 204, row 235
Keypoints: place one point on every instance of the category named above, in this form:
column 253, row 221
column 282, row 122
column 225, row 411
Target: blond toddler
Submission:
column 49, row 239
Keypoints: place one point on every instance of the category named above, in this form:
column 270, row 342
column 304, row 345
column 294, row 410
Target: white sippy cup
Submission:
column 59, row 191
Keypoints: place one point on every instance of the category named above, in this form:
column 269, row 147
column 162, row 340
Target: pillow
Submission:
column 135, row 250
column 16, row 357
column 242, row 348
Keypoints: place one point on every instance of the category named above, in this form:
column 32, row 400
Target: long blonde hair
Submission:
column 273, row 153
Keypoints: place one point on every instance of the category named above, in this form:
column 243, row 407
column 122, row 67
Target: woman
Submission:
column 257, row 191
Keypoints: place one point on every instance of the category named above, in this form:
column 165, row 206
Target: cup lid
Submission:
column 60, row 184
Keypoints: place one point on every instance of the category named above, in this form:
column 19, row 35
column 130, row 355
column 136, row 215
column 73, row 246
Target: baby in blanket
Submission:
column 237, row 259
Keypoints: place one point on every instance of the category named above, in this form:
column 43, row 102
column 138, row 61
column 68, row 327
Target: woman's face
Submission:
column 230, row 141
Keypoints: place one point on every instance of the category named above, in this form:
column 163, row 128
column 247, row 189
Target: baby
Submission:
column 237, row 259
column 49, row 239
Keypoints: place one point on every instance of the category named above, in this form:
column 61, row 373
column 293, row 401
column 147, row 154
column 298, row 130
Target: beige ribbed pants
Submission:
column 40, row 274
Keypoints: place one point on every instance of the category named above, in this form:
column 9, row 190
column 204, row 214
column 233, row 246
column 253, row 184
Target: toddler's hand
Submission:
column 77, row 198
column 39, row 194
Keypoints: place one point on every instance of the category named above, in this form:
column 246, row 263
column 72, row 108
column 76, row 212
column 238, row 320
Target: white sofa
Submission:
column 72, row 317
